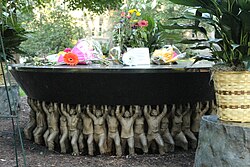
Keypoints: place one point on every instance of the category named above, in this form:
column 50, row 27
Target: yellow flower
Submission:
column 135, row 21
column 131, row 11
column 138, row 14
column 74, row 42
column 61, row 53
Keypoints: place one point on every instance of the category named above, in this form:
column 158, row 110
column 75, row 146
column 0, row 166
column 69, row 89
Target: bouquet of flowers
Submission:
column 130, row 31
column 83, row 52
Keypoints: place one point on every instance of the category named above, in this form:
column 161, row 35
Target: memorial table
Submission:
column 167, row 89
column 110, row 85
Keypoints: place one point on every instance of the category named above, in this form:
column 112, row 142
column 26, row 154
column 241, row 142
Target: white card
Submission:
column 136, row 56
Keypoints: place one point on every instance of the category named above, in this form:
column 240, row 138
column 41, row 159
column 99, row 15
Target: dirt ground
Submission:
column 39, row 156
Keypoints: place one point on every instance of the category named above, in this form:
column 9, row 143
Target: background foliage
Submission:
column 11, row 32
column 50, row 27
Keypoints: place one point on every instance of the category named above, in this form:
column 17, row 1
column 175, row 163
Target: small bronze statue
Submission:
column 113, row 132
column 52, row 132
column 64, row 142
column 213, row 109
column 87, row 132
column 72, row 114
column 41, row 125
column 32, row 120
column 169, row 144
column 99, row 126
column 140, row 137
column 186, row 127
column 197, row 115
column 154, row 119
column 127, row 119
column 176, row 131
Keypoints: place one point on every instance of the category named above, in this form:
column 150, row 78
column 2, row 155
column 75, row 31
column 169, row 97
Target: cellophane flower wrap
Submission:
column 86, row 50
column 166, row 55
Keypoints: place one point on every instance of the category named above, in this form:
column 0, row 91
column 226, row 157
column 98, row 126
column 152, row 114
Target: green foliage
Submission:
column 128, row 32
column 22, row 93
column 11, row 33
column 97, row 6
column 52, row 32
column 230, row 19
column 154, row 36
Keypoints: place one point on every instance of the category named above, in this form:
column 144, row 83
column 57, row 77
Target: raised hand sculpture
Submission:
column 52, row 132
column 72, row 115
column 127, row 119
column 99, row 127
column 64, row 133
column 87, row 132
column 176, row 131
column 140, row 137
column 186, row 127
column 32, row 120
column 154, row 118
column 197, row 115
column 41, row 124
column 113, row 133
column 213, row 108
column 165, row 132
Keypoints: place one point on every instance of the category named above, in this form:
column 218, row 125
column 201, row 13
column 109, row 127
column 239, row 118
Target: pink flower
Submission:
column 143, row 23
column 128, row 16
column 67, row 50
column 123, row 14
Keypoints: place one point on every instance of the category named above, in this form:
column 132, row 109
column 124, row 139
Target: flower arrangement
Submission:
column 83, row 52
column 131, row 30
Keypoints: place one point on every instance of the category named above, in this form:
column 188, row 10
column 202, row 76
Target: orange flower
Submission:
column 71, row 59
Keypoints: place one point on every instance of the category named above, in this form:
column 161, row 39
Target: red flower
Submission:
column 67, row 50
column 143, row 23
column 71, row 59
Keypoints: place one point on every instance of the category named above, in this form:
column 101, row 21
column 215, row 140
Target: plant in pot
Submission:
column 230, row 51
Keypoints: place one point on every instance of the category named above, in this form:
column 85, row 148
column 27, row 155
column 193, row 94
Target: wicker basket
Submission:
column 232, row 90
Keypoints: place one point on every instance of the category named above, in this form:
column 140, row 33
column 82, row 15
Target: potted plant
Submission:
column 230, row 19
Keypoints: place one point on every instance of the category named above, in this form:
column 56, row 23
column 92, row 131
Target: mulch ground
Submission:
column 39, row 156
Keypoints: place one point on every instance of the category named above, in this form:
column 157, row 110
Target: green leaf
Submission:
column 192, row 41
column 182, row 27
column 187, row 2
column 244, row 4
column 199, row 58
column 231, row 26
column 199, row 47
column 245, row 20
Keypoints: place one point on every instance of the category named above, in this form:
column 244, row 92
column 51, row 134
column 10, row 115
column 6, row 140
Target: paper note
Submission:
column 136, row 56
